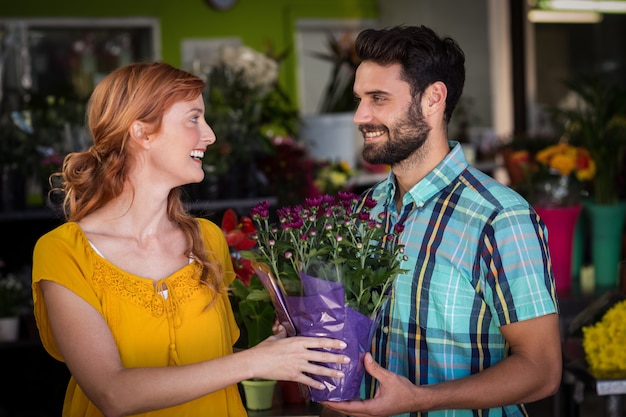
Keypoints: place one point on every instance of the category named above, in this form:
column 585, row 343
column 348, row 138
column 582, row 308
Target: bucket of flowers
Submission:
column 603, row 343
column 330, row 267
column 554, row 181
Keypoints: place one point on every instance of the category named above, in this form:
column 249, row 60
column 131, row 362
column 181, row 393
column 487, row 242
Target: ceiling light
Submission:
column 615, row 6
column 553, row 16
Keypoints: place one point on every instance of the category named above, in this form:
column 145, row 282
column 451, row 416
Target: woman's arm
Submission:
column 91, row 354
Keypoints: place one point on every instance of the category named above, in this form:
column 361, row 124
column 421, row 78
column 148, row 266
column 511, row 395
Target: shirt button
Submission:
column 420, row 204
column 386, row 329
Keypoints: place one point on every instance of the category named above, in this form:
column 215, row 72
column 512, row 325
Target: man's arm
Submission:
column 531, row 372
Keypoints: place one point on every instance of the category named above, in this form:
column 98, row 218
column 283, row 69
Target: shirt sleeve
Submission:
column 60, row 256
column 518, row 283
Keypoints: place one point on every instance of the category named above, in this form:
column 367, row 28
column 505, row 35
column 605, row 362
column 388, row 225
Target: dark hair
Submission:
column 425, row 58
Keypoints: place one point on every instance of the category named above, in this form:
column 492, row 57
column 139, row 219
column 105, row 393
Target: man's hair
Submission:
column 425, row 58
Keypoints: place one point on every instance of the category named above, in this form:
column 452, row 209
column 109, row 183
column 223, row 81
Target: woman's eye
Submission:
column 194, row 119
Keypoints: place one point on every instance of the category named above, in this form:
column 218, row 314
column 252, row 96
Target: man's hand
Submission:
column 395, row 395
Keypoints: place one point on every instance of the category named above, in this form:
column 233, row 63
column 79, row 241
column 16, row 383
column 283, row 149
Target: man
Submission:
column 472, row 328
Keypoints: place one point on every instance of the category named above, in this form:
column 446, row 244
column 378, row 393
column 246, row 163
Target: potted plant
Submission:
column 331, row 134
column 553, row 181
column 333, row 262
column 251, row 304
column 14, row 297
column 245, row 106
column 595, row 116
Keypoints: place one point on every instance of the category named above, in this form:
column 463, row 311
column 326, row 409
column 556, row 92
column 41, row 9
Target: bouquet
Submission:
column 604, row 342
column 330, row 267
column 553, row 177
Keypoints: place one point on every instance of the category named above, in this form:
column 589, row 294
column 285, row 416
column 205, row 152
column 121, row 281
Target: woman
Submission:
column 131, row 291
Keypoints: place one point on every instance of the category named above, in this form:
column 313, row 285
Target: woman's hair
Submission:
column 92, row 178
column 425, row 58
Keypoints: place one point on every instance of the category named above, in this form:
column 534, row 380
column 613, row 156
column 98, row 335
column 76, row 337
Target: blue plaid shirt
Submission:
column 477, row 260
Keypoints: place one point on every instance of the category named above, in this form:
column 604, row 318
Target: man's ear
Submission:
column 434, row 98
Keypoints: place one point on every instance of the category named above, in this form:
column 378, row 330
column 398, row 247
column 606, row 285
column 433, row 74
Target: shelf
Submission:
column 45, row 213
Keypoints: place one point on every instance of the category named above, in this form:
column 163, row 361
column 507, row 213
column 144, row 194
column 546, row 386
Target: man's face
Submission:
column 389, row 117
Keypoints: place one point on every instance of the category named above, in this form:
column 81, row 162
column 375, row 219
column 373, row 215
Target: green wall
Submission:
column 257, row 22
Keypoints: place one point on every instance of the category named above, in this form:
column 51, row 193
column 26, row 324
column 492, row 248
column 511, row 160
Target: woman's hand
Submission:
column 291, row 358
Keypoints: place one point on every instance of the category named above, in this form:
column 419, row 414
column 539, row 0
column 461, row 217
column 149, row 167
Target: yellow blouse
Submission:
column 150, row 328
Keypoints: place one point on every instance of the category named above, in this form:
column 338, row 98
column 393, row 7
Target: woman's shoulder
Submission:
column 208, row 227
column 69, row 232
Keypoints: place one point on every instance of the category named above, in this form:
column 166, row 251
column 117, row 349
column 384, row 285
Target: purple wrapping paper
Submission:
column 321, row 312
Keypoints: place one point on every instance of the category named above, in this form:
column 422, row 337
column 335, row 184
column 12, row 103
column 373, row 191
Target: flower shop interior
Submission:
column 543, row 110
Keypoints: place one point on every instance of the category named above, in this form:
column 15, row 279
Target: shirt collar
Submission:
column 435, row 181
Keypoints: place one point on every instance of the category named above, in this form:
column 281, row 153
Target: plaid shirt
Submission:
column 477, row 260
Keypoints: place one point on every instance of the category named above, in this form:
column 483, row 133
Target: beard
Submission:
column 405, row 137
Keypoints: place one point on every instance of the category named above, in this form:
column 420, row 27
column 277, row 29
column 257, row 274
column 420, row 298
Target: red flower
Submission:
column 243, row 269
column 238, row 234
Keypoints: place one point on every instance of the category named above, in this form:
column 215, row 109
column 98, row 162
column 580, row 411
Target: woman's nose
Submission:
column 207, row 133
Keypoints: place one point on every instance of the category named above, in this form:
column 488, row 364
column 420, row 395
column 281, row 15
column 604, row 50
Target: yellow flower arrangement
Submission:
column 332, row 177
column 604, row 342
column 554, row 175
column 566, row 159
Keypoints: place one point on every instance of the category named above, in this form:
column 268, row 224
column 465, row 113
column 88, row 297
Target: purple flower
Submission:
column 327, row 228
column 261, row 211
column 369, row 203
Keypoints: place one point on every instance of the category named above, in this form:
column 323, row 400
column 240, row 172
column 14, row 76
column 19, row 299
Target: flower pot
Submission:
column 561, row 224
column 259, row 394
column 607, row 228
column 332, row 136
column 9, row 329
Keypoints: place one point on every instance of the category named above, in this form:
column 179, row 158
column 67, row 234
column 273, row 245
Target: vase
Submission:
column 9, row 329
column 259, row 393
column 607, row 228
column 561, row 223
column 332, row 136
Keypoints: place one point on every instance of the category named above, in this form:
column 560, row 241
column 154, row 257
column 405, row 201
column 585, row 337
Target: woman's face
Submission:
column 177, row 149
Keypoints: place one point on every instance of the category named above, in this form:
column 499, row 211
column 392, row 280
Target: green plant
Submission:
column 338, row 95
column 236, row 84
column 14, row 296
column 596, row 118
column 254, row 310
column 245, row 107
column 327, row 238
column 251, row 303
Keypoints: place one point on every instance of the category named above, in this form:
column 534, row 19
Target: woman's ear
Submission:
column 138, row 133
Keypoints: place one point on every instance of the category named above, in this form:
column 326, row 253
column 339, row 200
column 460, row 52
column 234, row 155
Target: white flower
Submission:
column 256, row 70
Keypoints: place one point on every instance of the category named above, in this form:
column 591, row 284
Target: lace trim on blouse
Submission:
column 146, row 293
